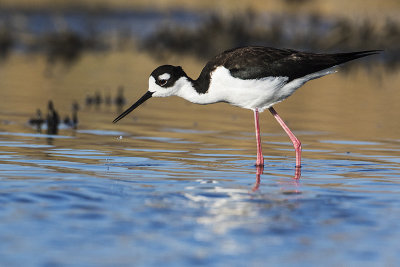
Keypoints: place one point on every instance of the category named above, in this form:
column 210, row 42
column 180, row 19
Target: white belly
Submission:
column 251, row 94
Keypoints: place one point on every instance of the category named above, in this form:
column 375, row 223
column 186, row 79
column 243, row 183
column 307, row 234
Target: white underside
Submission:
column 251, row 94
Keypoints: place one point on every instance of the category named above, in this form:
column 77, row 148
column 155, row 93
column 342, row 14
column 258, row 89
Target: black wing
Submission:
column 255, row 62
column 259, row 62
column 250, row 62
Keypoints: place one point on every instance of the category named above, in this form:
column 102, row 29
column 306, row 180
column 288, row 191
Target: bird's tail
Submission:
column 344, row 57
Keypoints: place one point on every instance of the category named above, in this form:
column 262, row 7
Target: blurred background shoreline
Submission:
column 359, row 8
column 66, row 29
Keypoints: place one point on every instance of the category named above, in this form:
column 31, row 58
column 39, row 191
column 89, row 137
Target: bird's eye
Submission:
column 162, row 82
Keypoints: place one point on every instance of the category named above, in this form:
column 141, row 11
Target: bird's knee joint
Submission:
column 297, row 145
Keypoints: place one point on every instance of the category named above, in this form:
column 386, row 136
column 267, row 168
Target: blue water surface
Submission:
column 121, row 206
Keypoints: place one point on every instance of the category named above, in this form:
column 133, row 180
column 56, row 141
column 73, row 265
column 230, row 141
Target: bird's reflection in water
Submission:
column 294, row 181
column 297, row 173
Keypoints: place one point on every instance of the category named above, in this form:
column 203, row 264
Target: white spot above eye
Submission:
column 164, row 76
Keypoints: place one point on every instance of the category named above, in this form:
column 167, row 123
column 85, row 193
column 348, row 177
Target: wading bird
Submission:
column 252, row 77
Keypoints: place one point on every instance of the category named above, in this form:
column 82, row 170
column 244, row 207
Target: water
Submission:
column 174, row 183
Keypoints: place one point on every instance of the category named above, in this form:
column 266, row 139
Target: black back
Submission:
column 255, row 62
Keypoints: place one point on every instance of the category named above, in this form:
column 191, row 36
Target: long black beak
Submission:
column 146, row 96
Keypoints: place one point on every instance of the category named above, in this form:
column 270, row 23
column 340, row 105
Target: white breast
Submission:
column 249, row 94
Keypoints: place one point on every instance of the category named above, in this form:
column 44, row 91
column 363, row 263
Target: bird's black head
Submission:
column 164, row 81
column 166, row 75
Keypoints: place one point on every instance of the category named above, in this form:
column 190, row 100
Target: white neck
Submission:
column 188, row 92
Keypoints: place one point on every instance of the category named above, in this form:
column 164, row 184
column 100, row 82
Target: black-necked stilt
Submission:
column 251, row 77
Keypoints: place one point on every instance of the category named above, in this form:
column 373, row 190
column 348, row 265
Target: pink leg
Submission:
column 295, row 141
column 260, row 158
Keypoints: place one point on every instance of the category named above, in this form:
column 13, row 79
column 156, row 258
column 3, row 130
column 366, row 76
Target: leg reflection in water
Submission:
column 260, row 170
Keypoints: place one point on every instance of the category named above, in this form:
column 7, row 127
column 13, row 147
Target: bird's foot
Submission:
column 297, row 172
column 260, row 170
column 260, row 162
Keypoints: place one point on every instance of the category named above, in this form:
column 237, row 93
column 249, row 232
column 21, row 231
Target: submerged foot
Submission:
column 297, row 172
column 260, row 162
